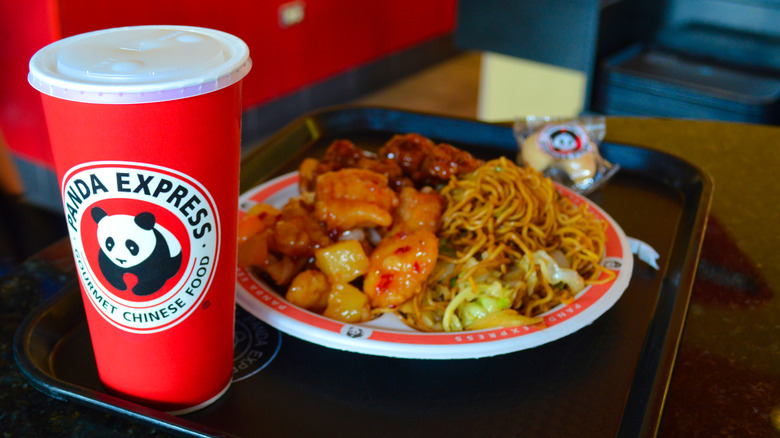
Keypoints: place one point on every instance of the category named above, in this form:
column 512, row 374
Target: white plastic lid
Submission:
column 139, row 64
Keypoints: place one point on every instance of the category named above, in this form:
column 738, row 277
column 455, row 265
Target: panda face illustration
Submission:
column 136, row 245
column 124, row 241
column 565, row 141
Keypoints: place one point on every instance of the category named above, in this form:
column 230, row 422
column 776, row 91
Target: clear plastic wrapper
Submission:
column 565, row 150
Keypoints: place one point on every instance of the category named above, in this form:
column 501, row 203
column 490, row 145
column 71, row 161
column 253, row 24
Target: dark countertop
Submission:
column 726, row 381
column 26, row 231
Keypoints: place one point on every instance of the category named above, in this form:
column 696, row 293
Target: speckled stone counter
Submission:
column 726, row 381
column 25, row 412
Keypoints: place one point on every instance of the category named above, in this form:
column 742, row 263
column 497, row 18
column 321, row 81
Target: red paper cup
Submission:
column 145, row 127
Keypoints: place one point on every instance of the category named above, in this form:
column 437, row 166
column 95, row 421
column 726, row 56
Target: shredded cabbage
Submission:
column 485, row 300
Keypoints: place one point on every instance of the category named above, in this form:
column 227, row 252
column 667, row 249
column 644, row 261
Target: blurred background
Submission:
column 493, row 60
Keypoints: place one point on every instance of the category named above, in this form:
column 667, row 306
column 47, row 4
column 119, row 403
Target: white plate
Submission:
column 388, row 336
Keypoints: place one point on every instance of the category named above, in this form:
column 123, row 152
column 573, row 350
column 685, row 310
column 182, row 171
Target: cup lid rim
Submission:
column 45, row 77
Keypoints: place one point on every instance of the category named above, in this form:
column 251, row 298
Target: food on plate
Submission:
column 352, row 198
column 417, row 210
column 400, row 265
column 342, row 262
column 511, row 247
column 343, row 154
column 425, row 162
column 444, row 240
column 347, row 303
column 309, row 289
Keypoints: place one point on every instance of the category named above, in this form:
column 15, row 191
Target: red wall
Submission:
column 24, row 28
column 334, row 36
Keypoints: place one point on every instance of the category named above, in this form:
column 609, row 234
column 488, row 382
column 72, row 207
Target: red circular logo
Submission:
column 145, row 239
column 564, row 141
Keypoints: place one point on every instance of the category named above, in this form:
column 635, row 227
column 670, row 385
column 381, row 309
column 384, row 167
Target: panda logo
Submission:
column 136, row 245
column 565, row 141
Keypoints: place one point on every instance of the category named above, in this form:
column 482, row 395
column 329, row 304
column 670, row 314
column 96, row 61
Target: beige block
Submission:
column 512, row 87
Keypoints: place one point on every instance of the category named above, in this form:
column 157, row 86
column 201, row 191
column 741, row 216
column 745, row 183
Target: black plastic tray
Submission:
column 608, row 379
